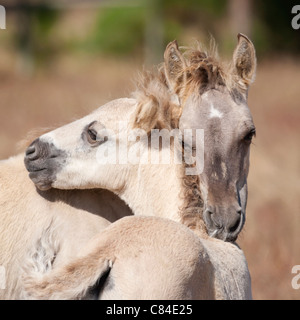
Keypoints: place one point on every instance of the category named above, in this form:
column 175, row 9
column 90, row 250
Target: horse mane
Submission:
column 156, row 106
column 204, row 69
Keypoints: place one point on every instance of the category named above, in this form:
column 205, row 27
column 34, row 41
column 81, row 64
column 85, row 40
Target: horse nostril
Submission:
column 30, row 150
column 210, row 219
column 207, row 215
column 235, row 225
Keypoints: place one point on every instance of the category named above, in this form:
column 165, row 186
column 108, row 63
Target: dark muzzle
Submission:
column 224, row 223
column 43, row 160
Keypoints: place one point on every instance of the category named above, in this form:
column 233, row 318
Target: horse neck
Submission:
column 165, row 190
column 154, row 190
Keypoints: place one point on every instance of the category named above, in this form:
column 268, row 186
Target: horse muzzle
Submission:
column 225, row 226
column 43, row 160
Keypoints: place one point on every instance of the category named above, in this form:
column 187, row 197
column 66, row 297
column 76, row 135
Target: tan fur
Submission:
column 76, row 226
column 147, row 258
column 24, row 213
column 81, row 216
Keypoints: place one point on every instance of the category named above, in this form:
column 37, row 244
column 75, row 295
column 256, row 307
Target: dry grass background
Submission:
column 270, row 239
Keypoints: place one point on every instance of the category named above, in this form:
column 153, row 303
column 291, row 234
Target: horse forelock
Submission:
column 205, row 71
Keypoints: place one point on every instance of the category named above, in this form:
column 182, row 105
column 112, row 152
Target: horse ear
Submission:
column 244, row 61
column 175, row 67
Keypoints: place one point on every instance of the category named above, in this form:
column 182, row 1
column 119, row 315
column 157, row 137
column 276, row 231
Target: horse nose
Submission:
column 223, row 224
column 38, row 152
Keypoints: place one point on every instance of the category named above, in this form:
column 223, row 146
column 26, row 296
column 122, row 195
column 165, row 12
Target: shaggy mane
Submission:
column 191, row 212
column 205, row 71
column 157, row 108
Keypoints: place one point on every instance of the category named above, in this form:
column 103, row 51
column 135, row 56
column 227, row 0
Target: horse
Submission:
column 49, row 163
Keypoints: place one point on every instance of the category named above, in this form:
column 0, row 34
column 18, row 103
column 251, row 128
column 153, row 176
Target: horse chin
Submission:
column 230, row 238
column 41, row 180
column 224, row 236
column 43, row 187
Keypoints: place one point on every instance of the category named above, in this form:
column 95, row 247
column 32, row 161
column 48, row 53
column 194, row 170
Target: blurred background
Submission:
column 59, row 60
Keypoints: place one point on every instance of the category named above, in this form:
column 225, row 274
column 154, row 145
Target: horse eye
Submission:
column 248, row 137
column 92, row 136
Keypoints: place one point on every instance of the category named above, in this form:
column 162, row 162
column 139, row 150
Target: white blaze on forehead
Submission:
column 215, row 113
